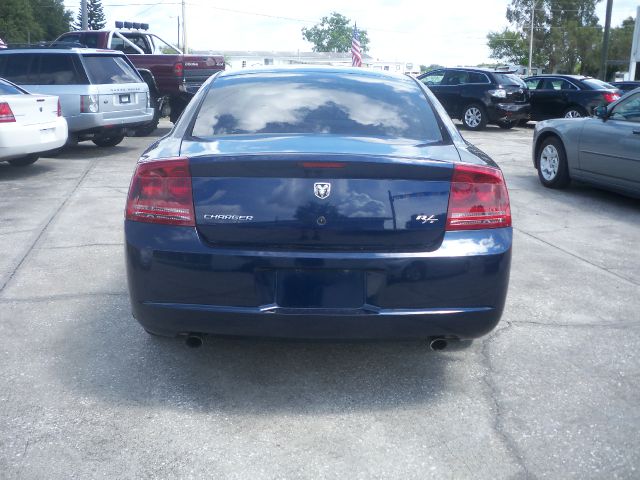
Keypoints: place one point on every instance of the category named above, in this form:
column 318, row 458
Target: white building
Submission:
column 237, row 60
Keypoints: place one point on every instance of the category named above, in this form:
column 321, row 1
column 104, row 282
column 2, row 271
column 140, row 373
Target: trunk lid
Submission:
column 32, row 109
column 322, row 201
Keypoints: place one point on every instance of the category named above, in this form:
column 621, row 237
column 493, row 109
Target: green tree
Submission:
column 333, row 34
column 95, row 16
column 566, row 37
column 17, row 24
column 620, row 47
column 52, row 17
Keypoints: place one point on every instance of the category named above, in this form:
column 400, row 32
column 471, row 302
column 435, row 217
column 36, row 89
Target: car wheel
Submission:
column 149, row 127
column 110, row 141
column 575, row 112
column 474, row 117
column 508, row 125
column 553, row 170
column 23, row 161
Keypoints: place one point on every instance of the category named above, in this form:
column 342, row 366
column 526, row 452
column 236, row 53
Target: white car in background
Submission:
column 29, row 125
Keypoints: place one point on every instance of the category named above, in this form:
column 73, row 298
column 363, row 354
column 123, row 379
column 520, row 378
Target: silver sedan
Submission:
column 603, row 150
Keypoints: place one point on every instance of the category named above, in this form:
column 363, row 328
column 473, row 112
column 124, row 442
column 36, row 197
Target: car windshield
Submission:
column 317, row 103
column 8, row 89
column 106, row 69
column 509, row 79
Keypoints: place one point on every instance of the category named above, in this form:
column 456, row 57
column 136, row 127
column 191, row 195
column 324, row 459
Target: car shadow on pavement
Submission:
column 109, row 356
column 8, row 172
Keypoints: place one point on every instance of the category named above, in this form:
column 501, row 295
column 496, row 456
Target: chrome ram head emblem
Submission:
column 322, row 190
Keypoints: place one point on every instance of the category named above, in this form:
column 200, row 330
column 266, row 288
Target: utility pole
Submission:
column 635, row 48
column 605, row 42
column 184, row 28
column 533, row 9
column 85, row 15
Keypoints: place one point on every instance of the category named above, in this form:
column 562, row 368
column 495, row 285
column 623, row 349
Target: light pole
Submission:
column 184, row 28
column 605, row 42
column 84, row 24
column 533, row 9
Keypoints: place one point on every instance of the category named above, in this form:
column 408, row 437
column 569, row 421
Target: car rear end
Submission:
column 287, row 220
column 509, row 100
column 115, row 97
column 29, row 124
column 196, row 69
column 597, row 93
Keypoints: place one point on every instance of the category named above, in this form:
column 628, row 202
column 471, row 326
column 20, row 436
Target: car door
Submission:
column 433, row 80
column 533, row 84
column 610, row 148
column 551, row 98
column 451, row 90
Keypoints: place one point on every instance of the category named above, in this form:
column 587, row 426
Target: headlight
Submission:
column 499, row 93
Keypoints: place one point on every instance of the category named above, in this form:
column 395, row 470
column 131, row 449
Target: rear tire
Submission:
column 474, row 117
column 23, row 161
column 110, row 141
column 149, row 127
column 553, row 169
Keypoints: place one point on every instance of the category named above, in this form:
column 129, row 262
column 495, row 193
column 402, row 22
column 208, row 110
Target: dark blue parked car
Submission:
column 317, row 203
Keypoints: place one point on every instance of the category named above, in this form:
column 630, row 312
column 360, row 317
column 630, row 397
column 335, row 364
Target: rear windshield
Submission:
column 316, row 103
column 8, row 89
column 509, row 79
column 597, row 84
column 105, row 69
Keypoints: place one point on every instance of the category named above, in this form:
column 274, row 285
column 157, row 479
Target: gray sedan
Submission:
column 603, row 150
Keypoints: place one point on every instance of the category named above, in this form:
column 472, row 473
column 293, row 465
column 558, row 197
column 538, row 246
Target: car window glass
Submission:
column 117, row 44
column 332, row 103
column 628, row 109
column 565, row 85
column 90, row 41
column 17, row 68
column 533, row 83
column 57, row 70
column 475, row 77
column 433, row 78
column 107, row 69
column 597, row 84
column 139, row 41
column 456, row 77
column 7, row 89
column 508, row 79
column 72, row 38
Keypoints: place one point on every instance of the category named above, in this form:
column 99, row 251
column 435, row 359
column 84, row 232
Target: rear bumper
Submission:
column 17, row 140
column 94, row 122
column 509, row 112
column 178, row 284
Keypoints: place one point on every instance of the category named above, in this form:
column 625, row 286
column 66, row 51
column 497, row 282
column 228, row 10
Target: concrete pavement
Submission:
column 85, row 393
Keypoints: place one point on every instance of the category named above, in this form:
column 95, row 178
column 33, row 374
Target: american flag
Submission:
column 356, row 52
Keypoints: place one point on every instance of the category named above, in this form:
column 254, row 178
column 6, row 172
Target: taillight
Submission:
column 178, row 68
column 89, row 104
column 59, row 109
column 6, row 115
column 160, row 192
column 610, row 97
column 478, row 199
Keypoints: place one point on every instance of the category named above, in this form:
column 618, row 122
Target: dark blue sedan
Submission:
column 317, row 203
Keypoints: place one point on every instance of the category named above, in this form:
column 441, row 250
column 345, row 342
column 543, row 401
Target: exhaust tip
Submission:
column 193, row 340
column 438, row 344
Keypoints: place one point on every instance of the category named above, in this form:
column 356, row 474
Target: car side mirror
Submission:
column 601, row 112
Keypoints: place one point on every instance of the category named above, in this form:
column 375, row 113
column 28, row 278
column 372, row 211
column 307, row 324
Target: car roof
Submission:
column 35, row 49
column 560, row 75
column 308, row 69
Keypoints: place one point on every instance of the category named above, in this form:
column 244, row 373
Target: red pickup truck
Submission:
column 173, row 77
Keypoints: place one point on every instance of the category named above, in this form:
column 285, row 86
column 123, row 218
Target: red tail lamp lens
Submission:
column 178, row 68
column 6, row 115
column 160, row 192
column 611, row 97
column 478, row 199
